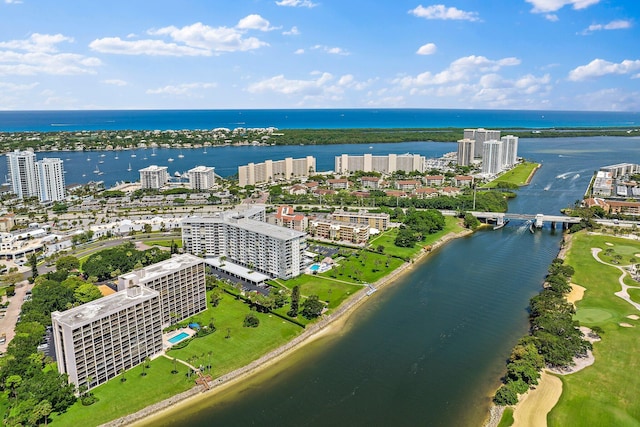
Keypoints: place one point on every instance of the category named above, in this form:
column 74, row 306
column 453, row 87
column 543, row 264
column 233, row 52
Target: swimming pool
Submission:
column 314, row 267
column 178, row 338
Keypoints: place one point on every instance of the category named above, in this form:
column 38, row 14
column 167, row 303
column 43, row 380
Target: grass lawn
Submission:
column 517, row 175
column 387, row 238
column 635, row 294
column 120, row 398
column 507, row 417
column 244, row 344
column 333, row 291
column 163, row 242
column 605, row 394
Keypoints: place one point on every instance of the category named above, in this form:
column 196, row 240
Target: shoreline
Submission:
column 532, row 174
column 329, row 325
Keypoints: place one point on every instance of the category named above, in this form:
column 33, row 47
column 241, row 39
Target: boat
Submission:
column 100, row 161
column 176, row 174
column 116, row 157
column 180, row 156
column 498, row 227
column 129, row 168
column 103, row 155
column 170, row 159
column 133, row 155
column 153, row 152
column 97, row 171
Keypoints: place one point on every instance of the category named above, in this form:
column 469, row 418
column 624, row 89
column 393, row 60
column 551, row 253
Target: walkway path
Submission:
column 624, row 293
column 8, row 322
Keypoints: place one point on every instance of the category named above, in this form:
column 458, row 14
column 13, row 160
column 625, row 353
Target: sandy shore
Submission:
column 533, row 172
column 328, row 325
column 533, row 407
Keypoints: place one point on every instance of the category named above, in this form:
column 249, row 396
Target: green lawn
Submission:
column 333, row 291
column 518, row 175
column 387, row 238
column 120, row 398
column 507, row 417
column 244, row 344
column 162, row 242
column 635, row 294
column 605, row 394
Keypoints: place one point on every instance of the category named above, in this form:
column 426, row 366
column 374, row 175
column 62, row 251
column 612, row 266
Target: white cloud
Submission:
column 545, row 6
column 254, row 22
column 13, row 1
column 299, row 51
column 191, row 90
column 37, row 43
column 614, row 99
column 115, row 82
column 39, row 54
column 440, row 11
column 552, row 17
column 144, row 47
column 13, row 87
column 292, row 32
column 462, row 69
column 600, row 67
column 620, row 24
column 297, row 3
column 191, row 40
column 427, row 49
column 331, row 50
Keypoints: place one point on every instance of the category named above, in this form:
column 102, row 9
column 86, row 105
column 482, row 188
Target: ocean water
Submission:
column 45, row 121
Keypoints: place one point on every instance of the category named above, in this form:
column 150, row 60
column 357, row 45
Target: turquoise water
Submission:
column 178, row 338
column 43, row 121
column 314, row 267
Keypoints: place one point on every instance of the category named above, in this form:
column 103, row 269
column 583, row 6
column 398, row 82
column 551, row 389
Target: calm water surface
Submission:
column 429, row 350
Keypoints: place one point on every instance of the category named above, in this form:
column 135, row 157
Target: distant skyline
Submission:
column 259, row 54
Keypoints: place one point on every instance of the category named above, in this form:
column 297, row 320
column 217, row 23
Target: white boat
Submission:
column 180, row 156
column 170, row 159
column 116, row 157
column 133, row 155
column 153, row 153
column 101, row 161
column 103, row 155
column 97, row 170
column 176, row 174
column 129, row 168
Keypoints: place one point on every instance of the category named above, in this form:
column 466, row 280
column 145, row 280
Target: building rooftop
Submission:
column 175, row 263
column 238, row 219
column 237, row 270
column 87, row 313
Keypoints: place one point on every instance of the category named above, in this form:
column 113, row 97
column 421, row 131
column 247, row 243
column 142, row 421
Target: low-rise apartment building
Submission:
column 379, row 221
column 339, row 231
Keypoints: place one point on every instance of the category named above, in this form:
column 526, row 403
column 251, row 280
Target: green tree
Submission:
column 87, row 292
column 41, row 411
column 312, row 307
column 295, row 301
column 251, row 321
column 405, row 238
column 68, row 263
column 33, row 261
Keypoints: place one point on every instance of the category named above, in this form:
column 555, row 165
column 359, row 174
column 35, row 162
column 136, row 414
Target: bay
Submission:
column 429, row 350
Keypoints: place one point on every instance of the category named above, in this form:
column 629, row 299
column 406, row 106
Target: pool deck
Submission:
column 166, row 337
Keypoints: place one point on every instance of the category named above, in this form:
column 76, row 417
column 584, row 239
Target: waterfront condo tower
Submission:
column 50, row 175
column 154, row 177
column 22, row 173
column 202, row 178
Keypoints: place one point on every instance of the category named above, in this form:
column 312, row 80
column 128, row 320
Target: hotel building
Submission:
column 244, row 238
column 492, row 157
column 180, row 280
column 509, row 150
column 202, row 178
column 379, row 221
column 480, row 135
column 154, row 177
column 274, row 170
column 99, row 339
column 22, row 173
column 383, row 164
column 465, row 151
column 50, row 174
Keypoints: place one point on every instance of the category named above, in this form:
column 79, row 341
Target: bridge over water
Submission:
column 537, row 220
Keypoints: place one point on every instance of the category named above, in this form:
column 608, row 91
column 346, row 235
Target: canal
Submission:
column 430, row 349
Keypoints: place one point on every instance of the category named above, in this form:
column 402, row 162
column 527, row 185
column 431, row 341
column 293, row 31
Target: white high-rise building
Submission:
column 492, row 157
column 465, row 151
column 202, row 178
column 481, row 135
column 154, row 177
column 50, row 175
column 22, row 173
column 245, row 239
column 509, row 150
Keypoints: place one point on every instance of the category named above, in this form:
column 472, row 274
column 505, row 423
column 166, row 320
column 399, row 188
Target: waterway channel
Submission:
column 430, row 349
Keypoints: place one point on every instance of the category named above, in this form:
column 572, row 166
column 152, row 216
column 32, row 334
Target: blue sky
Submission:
column 226, row 54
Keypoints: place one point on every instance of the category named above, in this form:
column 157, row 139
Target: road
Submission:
column 8, row 322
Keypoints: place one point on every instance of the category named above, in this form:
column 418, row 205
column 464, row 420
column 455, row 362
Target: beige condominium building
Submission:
column 180, row 280
column 96, row 340
column 244, row 238
column 379, row 221
column 383, row 164
column 276, row 170
column 154, row 176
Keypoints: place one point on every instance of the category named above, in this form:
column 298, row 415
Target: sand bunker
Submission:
column 625, row 325
column 576, row 294
column 608, row 244
column 633, row 317
column 534, row 406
